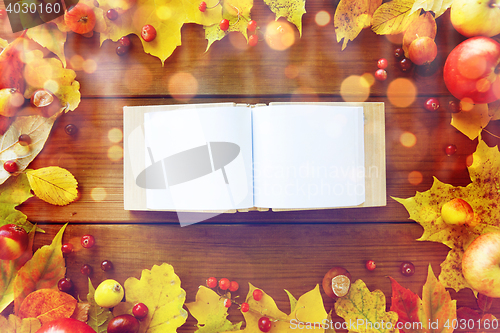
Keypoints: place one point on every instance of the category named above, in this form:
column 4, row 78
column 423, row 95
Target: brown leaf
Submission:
column 81, row 312
column 15, row 324
column 48, row 305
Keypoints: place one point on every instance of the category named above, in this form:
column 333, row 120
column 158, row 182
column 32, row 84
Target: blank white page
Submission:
column 308, row 156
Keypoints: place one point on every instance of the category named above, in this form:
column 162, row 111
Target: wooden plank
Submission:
column 101, row 178
column 271, row 257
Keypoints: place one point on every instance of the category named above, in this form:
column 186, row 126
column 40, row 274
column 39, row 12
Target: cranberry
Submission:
column 65, row 285
column 148, row 33
column 112, row 14
column 405, row 64
column 88, row 241
column 253, row 40
column 224, row 24
column 399, row 53
column 265, row 324
column 24, row 140
column 67, row 248
column 140, row 311
column 10, row 166
column 450, row 150
column 370, row 265
column 432, row 104
column 252, row 25
column 86, row 270
column 407, row 269
column 125, row 41
column 381, row 74
column 71, row 129
column 454, row 106
column 382, row 63
column 106, row 265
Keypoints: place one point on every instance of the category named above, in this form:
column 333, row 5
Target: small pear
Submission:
column 11, row 101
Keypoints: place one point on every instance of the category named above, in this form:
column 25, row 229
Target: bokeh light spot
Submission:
column 238, row 41
column 164, row 13
column 367, row 79
column 415, row 177
column 280, row 35
column 51, row 86
column 472, row 68
column 115, row 153
column 483, row 85
column 354, row 89
column 408, row 139
column 76, row 62
column 401, row 92
column 469, row 160
column 182, row 86
column 98, row 194
column 89, row 66
column 291, row 71
column 115, row 135
column 466, row 104
column 322, row 18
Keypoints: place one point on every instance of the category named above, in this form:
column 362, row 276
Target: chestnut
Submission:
column 45, row 102
column 124, row 323
column 337, row 282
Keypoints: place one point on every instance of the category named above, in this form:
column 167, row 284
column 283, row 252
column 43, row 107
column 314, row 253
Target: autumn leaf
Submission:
column 160, row 14
column 98, row 317
column 437, row 306
column 308, row 315
column 49, row 74
column 14, row 192
column 8, row 272
column 209, row 310
column 81, row 312
column 422, row 26
column 54, row 185
column 15, row 324
column 353, row 16
column 438, row 7
column 237, row 12
column 49, row 36
column 364, row 311
column 483, row 196
column 393, row 17
column 472, row 122
column 160, row 290
column 293, row 300
column 11, row 65
column 292, row 10
column 42, row 271
column 407, row 305
column 37, row 127
column 47, row 305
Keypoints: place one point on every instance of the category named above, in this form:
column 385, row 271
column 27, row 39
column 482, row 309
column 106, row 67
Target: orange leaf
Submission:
column 11, row 66
column 406, row 304
column 48, row 305
column 43, row 271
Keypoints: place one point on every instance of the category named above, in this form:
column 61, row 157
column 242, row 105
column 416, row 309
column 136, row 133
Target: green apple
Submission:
column 458, row 212
column 476, row 17
column 481, row 264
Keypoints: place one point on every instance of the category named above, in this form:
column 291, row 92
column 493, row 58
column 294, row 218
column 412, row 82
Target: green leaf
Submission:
column 393, row 17
column 98, row 317
column 44, row 270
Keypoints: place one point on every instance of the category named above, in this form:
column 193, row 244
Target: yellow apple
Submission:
column 481, row 264
column 458, row 212
column 476, row 17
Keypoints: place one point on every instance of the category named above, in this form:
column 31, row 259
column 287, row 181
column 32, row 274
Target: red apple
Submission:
column 458, row 212
column 80, row 18
column 13, row 241
column 481, row 264
column 66, row 325
column 471, row 72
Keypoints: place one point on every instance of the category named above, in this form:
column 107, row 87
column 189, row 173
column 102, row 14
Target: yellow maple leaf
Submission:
column 54, row 185
column 160, row 290
column 167, row 16
column 472, row 122
column 353, row 16
column 48, row 73
column 393, row 17
column 292, row 10
column 483, row 196
column 308, row 313
column 49, row 36
column 365, row 311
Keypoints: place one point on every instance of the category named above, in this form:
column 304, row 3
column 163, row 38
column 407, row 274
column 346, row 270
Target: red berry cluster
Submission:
column 381, row 73
column 253, row 39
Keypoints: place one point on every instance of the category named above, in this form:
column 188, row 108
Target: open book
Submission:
column 227, row 157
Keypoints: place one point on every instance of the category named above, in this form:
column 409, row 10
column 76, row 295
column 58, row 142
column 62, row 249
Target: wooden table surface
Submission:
column 291, row 250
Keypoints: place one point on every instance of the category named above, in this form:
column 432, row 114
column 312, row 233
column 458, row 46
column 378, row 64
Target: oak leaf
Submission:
column 209, row 310
column 54, row 185
column 160, row 290
column 49, row 74
column 483, row 196
column 364, row 311
column 292, row 10
column 98, row 317
column 37, row 127
column 15, row 324
column 8, row 272
column 393, row 17
column 438, row 7
column 353, row 16
column 47, row 305
column 43, row 270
